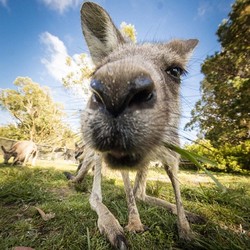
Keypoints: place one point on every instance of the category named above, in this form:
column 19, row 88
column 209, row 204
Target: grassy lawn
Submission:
column 73, row 223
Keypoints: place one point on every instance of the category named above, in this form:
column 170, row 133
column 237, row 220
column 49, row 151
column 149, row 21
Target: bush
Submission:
column 229, row 158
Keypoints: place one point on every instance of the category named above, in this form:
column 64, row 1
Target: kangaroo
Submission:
column 133, row 110
column 21, row 151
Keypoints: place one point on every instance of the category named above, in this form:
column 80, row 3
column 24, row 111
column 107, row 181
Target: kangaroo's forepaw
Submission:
column 136, row 227
column 69, row 176
column 186, row 235
column 111, row 228
column 121, row 242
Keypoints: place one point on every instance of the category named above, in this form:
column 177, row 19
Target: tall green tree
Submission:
column 37, row 117
column 223, row 113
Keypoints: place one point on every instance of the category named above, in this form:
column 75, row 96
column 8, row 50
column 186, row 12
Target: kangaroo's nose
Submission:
column 116, row 100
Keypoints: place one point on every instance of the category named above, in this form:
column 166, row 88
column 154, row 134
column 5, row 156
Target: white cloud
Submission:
column 204, row 8
column 56, row 54
column 201, row 11
column 4, row 2
column 60, row 5
column 55, row 58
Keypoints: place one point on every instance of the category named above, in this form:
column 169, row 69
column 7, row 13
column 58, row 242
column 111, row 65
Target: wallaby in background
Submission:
column 21, row 151
column 134, row 109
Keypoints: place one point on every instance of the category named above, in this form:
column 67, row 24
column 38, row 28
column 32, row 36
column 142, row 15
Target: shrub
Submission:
column 229, row 158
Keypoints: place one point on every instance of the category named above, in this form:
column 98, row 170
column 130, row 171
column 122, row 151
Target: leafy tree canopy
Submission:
column 37, row 116
column 223, row 113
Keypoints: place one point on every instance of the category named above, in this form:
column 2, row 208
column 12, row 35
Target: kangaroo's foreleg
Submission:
column 16, row 160
column 83, row 168
column 86, row 165
column 26, row 158
column 183, row 225
column 140, row 184
column 134, row 221
column 107, row 223
column 140, row 193
column 34, row 157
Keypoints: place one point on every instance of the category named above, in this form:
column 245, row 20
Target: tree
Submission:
column 37, row 116
column 81, row 68
column 223, row 113
column 229, row 158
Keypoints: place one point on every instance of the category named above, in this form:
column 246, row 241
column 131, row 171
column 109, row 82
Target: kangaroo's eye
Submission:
column 175, row 71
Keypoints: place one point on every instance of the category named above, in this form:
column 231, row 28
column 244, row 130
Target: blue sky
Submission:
column 36, row 35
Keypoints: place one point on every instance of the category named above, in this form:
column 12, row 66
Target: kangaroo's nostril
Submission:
column 143, row 91
column 98, row 91
column 138, row 92
column 143, row 82
column 96, row 85
column 140, row 97
column 97, row 98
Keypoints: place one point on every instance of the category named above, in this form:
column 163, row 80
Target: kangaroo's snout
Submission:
column 138, row 92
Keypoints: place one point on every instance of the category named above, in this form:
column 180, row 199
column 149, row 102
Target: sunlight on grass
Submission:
column 74, row 225
column 57, row 164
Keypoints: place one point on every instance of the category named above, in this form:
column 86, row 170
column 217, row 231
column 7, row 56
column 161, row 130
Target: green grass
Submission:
column 75, row 224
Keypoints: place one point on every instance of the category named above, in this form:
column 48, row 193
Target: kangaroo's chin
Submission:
column 122, row 160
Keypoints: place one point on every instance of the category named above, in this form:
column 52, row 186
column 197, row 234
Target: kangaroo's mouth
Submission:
column 121, row 159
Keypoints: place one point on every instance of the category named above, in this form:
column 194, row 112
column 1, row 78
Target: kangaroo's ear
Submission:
column 184, row 47
column 101, row 35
